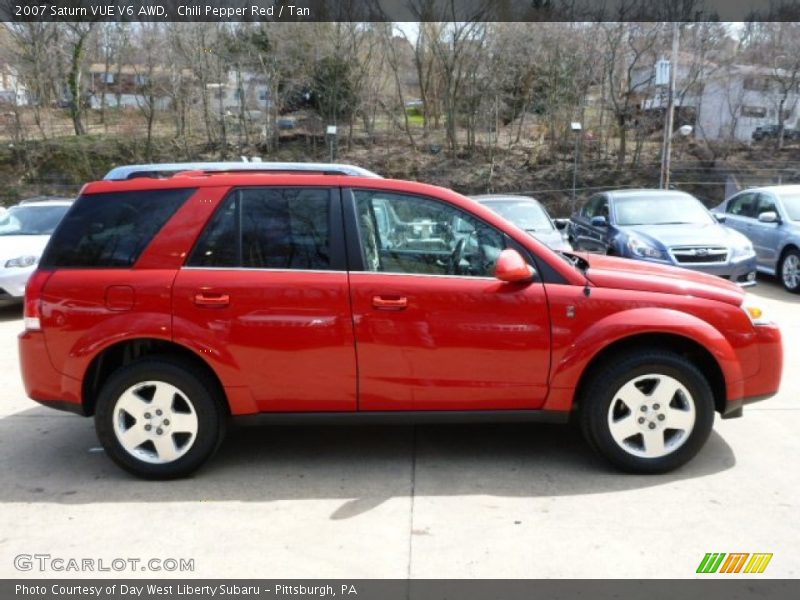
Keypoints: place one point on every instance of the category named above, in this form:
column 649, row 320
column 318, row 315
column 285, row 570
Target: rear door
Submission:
column 265, row 294
column 434, row 329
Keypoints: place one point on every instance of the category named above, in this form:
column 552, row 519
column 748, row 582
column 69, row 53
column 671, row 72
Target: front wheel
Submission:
column 790, row 271
column 160, row 417
column 651, row 412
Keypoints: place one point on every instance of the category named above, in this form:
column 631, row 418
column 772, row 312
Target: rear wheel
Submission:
column 790, row 270
column 160, row 417
column 649, row 413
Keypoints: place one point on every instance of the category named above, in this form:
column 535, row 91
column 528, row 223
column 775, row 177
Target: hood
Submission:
column 706, row 234
column 12, row 246
column 552, row 238
column 628, row 274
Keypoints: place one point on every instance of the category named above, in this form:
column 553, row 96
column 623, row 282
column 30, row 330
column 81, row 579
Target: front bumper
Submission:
column 742, row 272
column 766, row 382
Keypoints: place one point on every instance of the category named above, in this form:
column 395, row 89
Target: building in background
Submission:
column 723, row 102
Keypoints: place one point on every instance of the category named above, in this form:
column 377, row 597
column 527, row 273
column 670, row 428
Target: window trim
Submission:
column 336, row 245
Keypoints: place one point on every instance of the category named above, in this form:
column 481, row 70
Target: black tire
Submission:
column 199, row 389
column 793, row 252
column 608, row 379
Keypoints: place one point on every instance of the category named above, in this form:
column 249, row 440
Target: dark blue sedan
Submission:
column 662, row 226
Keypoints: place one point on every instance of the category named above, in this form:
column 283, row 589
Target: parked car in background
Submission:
column 529, row 215
column 24, row 232
column 770, row 132
column 770, row 218
column 662, row 226
column 163, row 305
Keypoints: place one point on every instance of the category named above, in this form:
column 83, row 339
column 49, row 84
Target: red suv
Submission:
column 164, row 305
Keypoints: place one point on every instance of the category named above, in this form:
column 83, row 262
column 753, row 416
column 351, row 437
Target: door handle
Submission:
column 390, row 302
column 212, row 299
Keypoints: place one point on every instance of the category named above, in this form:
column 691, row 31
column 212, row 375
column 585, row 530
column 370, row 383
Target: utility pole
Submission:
column 666, row 149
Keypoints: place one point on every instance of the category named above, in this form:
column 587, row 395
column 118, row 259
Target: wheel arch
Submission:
column 784, row 251
column 125, row 352
column 660, row 328
column 671, row 342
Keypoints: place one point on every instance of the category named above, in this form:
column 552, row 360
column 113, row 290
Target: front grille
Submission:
column 700, row 254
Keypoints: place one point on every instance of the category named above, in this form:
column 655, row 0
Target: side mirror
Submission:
column 512, row 268
column 561, row 223
column 599, row 221
column 720, row 217
column 769, row 217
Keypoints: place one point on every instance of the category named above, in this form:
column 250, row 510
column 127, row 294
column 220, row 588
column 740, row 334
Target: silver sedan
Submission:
column 770, row 217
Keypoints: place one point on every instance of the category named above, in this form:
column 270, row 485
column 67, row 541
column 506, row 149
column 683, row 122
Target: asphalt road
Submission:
column 520, row 501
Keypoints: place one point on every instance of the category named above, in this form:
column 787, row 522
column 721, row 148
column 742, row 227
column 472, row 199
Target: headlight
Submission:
column 742, row 250
column 22, row 261
column 642, row 249
column 755, row 313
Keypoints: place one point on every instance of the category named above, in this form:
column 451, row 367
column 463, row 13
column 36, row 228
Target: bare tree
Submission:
column 628, row 47
column 76, row 36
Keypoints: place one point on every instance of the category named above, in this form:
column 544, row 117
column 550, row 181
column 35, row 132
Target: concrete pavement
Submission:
column 428, row 501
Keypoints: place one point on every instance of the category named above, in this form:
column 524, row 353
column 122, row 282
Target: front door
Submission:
column 434, row 329
column 766, row 236
column 264, row 296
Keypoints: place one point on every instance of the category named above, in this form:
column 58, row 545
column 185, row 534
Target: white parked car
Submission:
column 24, row 232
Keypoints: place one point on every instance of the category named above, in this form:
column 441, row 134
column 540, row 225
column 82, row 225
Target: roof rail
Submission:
column 164, row 170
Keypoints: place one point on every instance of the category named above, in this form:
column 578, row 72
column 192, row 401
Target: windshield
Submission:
column 667, row 210
column 792, row 206
column 31, row 220
column 525, row 215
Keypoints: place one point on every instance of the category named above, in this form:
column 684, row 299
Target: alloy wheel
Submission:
column 651, row 415
column 155, row 422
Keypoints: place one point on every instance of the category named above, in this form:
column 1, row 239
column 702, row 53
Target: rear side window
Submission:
column 111, row 230
column 268, row 228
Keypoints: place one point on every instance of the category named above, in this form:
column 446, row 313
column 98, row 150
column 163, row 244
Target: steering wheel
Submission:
column 454, row 262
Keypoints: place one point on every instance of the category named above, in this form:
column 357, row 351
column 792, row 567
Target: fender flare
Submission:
column 567, row 373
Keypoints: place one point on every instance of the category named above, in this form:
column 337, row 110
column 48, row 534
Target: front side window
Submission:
column 268, row 228
column 743, row 205
column 592, row 208
column 409, row 234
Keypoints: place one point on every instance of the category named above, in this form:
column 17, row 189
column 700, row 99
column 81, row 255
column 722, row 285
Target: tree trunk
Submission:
column 621, row 123
column 74, row 83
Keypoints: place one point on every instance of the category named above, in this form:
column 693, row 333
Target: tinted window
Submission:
column 268, row 228
column 31, row 220
column 408, row 234
column 590, row 207
column 743, row 205
column 111, row 230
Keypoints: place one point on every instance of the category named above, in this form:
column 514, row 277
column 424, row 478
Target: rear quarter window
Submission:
column 111, row 230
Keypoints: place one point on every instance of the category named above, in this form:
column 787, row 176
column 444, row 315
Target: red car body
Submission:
column 345, row 341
